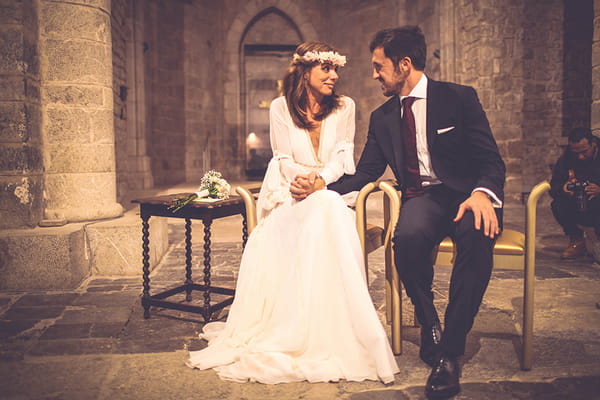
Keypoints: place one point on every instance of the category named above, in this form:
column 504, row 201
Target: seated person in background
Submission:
column 576, row 192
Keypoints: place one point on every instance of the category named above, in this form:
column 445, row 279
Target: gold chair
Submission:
column 391, row 212
column 513, row 250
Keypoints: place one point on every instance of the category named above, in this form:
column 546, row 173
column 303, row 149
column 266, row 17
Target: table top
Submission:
column 168, row 200
column 158, row 206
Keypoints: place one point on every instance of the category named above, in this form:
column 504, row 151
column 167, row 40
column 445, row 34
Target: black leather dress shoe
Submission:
column 443, row 381
column 430, row 344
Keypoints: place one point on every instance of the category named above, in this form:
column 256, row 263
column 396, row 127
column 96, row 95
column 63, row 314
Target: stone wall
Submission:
column 427, row 15
column 133, row 169
column 203, row 77
column 356, row 78
column 511, row 52
column 21, row 159
column 577, row 59
column 164, row 58
column 543, row 73
column 487, row 57
column 595, row 123
column 120, row 36
column 176, row 96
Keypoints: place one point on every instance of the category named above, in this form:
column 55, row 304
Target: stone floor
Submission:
column 93, row 342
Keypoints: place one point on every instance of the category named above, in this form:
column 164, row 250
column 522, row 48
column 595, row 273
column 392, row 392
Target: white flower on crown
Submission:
column 331, row 57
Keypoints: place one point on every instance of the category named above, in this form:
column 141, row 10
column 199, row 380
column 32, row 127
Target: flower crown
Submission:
column 331, row 57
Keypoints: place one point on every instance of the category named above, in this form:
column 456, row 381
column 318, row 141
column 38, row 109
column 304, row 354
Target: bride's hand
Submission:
column 304, row 185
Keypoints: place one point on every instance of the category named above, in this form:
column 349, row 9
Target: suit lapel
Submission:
column 392, row 122
column 433, row 109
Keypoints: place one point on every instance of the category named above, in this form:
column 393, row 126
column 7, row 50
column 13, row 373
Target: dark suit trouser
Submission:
column 566, row 212
column 424, row 222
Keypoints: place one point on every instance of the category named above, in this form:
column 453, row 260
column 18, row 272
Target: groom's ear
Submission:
column 404, row 64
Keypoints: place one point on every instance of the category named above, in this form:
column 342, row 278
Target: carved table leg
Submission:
column 244, row 230
column 146, row 266
column 188, row 260
column 207, row 314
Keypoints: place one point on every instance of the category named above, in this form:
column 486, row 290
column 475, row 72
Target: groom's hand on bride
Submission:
column 304, row 185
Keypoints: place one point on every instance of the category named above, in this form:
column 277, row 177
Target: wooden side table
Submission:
column 207, row 212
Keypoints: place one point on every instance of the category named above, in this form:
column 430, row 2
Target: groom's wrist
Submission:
column 319, row 183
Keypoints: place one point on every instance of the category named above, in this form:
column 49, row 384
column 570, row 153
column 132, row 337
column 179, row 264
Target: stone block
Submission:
column 43, row 258
column 596, row 54
column 597, row 22
column 596, row 81
column 11, row 48
column 79, row 125
column 515, row 148
column 67, row 125
column 11, row 12
column 81, row 158
column 13, row 122
column 69, row 21
column 75, row 96
column 596, row 115
column 20, row 158
column 78, row 61
column 33, row 114
column 116, row 245
column 12, row 88
column 20, row 201
column 102, row 125
column 81, row 197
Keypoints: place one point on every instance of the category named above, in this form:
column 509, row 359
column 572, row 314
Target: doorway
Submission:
column 265, row 66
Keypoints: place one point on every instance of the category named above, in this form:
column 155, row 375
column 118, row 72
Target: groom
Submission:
column 436, row 138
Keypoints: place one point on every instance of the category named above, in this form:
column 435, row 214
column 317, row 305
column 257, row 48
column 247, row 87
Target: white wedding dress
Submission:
column 302, row 310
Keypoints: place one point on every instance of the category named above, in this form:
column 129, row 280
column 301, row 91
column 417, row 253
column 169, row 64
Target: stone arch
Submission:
column 232, row 111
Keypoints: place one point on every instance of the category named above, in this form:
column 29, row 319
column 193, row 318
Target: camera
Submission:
column 578, row 189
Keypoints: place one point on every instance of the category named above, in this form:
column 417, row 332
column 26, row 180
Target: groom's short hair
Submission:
column 405, row 41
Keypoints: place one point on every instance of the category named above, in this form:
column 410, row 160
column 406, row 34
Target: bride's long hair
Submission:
column 295, row 87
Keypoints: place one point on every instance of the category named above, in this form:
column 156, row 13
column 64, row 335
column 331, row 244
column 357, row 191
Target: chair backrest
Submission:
column 247, row 193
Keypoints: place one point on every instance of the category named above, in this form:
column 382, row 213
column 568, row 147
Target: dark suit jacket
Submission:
column 463, row 158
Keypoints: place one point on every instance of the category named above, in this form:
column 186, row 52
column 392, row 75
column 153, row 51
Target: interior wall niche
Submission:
column 267, row 48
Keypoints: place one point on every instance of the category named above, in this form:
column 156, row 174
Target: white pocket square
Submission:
column 444, row 130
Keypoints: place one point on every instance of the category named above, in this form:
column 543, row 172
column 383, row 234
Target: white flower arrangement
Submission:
column 330, row 57
column 212, row 186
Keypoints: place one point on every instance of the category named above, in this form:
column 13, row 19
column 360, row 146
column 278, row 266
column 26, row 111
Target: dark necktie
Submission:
column 412, row 176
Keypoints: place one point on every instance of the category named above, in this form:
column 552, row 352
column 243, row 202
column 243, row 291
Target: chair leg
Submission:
column 396, row 305
column 529, row 275
column 528, row 322
column 388, row 295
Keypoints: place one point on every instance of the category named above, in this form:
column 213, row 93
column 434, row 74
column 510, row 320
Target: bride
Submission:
column 302, row 309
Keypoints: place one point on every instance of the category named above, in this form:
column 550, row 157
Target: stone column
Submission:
column 596, row 71
column 21, row 166
column 77, row 112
